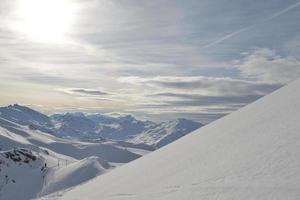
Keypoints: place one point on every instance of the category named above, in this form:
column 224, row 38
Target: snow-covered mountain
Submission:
column 35, row 163
column 75, row 125
column 122, row 128
column 166, row 132
column 253, row 153
column 125, row 127
column 100, row 127
column 26, row 116
column 30, row 150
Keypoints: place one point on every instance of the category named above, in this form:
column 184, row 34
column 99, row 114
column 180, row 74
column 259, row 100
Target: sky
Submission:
column 158, row 59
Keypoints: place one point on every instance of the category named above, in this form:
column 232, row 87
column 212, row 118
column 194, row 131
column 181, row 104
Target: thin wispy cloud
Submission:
column 83, row 91
column 247, row 28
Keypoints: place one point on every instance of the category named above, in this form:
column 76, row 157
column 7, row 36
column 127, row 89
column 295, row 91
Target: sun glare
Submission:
column 45, row 20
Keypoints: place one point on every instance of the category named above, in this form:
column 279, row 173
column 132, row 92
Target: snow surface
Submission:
column 58, row 163
column 253, row 153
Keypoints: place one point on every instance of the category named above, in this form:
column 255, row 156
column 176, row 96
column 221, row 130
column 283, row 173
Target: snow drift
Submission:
column 253, row 153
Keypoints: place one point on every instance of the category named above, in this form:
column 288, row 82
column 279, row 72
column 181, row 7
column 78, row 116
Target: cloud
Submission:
column 159, row 115
column 180, row 102
column 207, row 96
column 201, row 100
column 203, row 85
column 268, row 66
column 83, row 92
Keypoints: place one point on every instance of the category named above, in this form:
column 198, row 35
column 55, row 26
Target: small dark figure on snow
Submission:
column 44, row 167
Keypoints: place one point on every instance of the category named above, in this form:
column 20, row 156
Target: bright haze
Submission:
column 155, row 59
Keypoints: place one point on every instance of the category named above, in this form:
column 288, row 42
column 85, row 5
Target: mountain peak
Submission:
column 24, row 115
column 18, row 106
column 187, row 122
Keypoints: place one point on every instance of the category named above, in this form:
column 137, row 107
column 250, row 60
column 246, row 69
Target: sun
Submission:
column 45, row 20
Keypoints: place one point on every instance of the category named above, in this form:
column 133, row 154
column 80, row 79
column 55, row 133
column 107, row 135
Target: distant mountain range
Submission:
column 61, row 151
column 100, row 126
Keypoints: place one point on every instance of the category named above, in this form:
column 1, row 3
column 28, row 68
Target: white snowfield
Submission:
column 253, row 153
column 34, row 163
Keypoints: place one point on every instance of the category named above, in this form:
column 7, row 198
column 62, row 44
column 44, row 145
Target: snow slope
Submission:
column 35, row 163
column 253, row 153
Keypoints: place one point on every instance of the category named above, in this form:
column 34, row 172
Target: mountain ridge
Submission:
column 100, row 126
